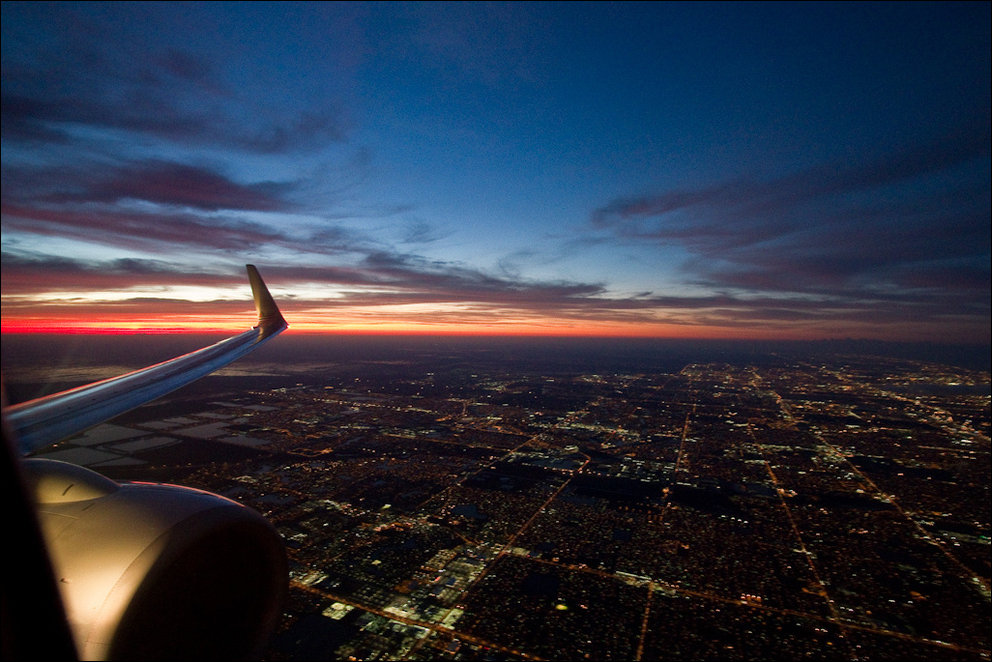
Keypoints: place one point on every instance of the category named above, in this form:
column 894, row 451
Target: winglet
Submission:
column 270, row 320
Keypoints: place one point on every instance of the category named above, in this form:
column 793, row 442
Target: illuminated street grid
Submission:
column 831, row 510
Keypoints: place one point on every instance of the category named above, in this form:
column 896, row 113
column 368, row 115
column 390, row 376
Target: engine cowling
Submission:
column 151, row 571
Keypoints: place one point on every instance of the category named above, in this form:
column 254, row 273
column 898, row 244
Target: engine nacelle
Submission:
column 149, row 571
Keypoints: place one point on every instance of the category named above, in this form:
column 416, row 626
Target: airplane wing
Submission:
column 106, row 570
column 44, row 421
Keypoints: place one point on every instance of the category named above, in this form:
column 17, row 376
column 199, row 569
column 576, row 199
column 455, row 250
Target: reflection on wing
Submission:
column 38, row 423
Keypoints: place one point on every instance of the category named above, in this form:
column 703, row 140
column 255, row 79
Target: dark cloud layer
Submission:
column 110, row 75
column 386, row 281
column 898, row 223
column 154, row 181
column 157, row 232
column 180, row 185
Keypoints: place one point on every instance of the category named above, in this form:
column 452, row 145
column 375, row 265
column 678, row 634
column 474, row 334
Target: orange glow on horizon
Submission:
column 75, row 327
column 362, row 322
column 548, row 329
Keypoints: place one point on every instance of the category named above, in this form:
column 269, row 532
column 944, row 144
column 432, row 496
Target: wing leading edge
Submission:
column 38, row 423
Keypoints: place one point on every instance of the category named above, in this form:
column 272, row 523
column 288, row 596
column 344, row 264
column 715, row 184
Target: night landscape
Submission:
column 555, row 499
column 617, row 331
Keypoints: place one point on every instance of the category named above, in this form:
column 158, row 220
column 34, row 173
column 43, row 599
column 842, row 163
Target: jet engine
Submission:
column 151, row 571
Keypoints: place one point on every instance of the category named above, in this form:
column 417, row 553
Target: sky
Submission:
column 754, row 171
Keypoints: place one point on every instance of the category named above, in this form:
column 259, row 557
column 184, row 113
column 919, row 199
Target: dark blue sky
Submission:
column 736, row 170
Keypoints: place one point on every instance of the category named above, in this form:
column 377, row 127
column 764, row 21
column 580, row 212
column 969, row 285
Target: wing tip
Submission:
column 270, row 319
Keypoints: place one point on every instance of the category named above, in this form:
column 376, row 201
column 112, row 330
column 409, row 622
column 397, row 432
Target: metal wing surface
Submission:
column 44, row 421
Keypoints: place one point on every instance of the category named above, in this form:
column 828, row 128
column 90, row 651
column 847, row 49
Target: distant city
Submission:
column 456, row 501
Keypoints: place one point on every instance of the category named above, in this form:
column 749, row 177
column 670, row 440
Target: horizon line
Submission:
column 220, row 331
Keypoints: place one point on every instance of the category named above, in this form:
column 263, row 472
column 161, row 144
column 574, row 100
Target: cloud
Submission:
column 162, row 206
column 30, row 274
column 398, row 287
column 90, row 72
column 163, row 183
column 160, row 232
column 846, row 229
